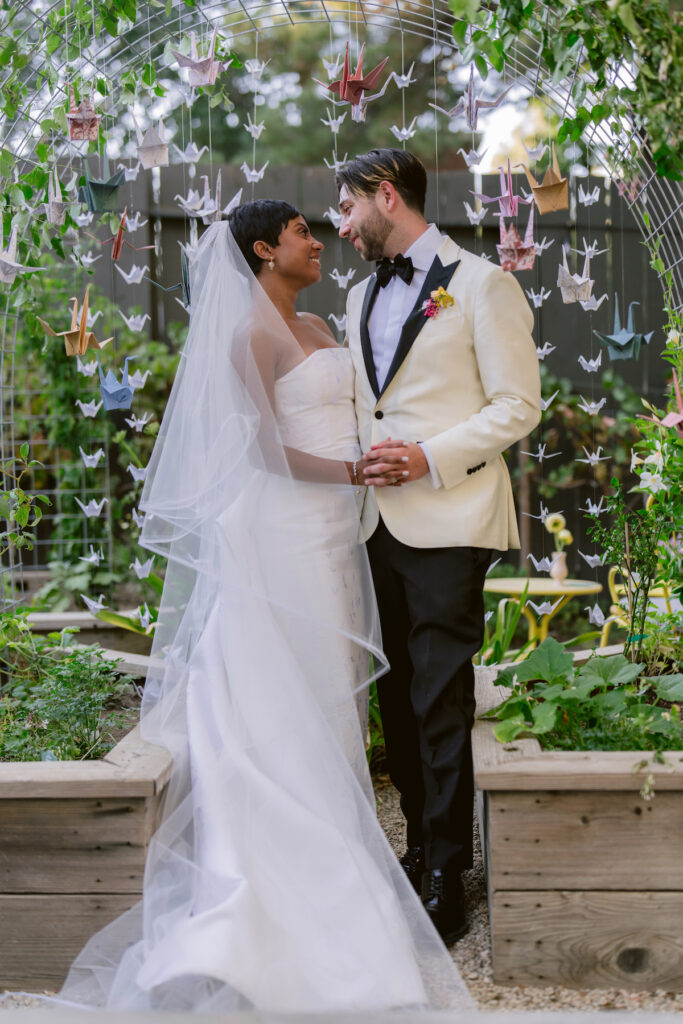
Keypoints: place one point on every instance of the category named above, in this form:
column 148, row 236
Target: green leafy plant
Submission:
column 497, row 645
column 21, row 510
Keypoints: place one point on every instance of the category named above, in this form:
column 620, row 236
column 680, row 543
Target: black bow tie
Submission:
column 401, row 265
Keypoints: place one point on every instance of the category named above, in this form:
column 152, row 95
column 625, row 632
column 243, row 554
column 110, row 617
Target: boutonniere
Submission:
column 438, row 300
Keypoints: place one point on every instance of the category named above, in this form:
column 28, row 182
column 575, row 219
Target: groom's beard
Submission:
column 373, row 235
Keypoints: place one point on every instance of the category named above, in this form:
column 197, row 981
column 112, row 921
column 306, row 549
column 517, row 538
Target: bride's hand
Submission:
column 393, row 463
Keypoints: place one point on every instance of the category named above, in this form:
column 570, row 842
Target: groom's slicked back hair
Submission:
column 364, row 174
column 264, row 220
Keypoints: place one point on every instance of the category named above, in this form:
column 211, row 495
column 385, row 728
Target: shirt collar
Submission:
column 424, row 249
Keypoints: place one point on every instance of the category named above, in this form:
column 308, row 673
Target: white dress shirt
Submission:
column 391, row 308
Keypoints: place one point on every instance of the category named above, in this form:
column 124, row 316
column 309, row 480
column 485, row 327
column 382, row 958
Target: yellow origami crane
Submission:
column 78, row 338
column 553, row 192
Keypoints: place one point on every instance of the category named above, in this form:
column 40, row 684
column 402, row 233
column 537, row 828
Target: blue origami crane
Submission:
column 624, row 342
column 115, row 394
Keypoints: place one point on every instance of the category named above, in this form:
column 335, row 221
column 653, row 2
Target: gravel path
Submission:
column 472, row 953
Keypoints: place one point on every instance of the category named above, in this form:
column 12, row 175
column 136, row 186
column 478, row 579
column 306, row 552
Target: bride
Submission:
column 269, row 884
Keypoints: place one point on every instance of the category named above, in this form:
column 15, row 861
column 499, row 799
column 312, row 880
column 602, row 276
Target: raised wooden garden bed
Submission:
column 73, row 842
column 585, row 878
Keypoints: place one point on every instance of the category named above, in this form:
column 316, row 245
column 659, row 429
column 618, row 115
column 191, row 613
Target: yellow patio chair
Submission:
column 618, row 613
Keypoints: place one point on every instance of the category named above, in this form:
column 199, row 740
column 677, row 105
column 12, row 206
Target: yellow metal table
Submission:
column 543, row 587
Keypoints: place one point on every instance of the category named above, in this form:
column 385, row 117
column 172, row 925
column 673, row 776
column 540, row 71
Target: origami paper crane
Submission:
column 538, row 298
column 540, row 455
column 540, row 564
column 94, row 606
column 255, row 130
column 592, row 303
column 595, row 615
column 210, row 208
column 338, row 321
column 545, row 350
column 144, row 615
column 515, row 253
column 93, row 508
column 342, row 279
column 189, row 155
column 675, row 418
column 405, row 133
column 137, row 423
column 590, row 365
column 593, row 508
column 142, row 569
column 574, row 287
column 138, row 518
column 55, row 208
column 84, row 122
column 542, row 246
column 234, row 202
column 194, row 201
column 547, row 402
column 553, row 192
column 352, row 88
column 588, row 198
column 592, row 458
column 473, row 156
column 138, row 379
column 256, row 67
column 115, row 394
column 129, row 173
column 333, row 216
column 87, row 369
column 334, row 123
column 9, row 268
column 472, row 215
column 624, row 342
column 544, row 608
column 92, row 318
column 403, row 81
column 589, row 250
column 94, row 558
column 118, row 241
column 507, row 201
column 137, row 321
column 333, row 67
column 83, row 219
column 471, row 106
column 89, row 409
column 544, row 513
column 84, row 259
column 100, row 194
column 137, row 472
column 253, row 174
column 133, row 223
column 201, row 70
column 91, row 461
column 592, row 408
column 77, row 339
column 152, row 147
column 536, row 152
column 134, row 275
column 593, row 560
column 336, row 164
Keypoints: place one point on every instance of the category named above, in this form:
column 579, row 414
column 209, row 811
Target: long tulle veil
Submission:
column 269, row 884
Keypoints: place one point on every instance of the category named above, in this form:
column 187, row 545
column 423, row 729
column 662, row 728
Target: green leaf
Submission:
column 481, row 65
column 21, row 516
column 614, row 671
column 670, row 687
column 545, row 716
column 510, row 729
column 133, row 625
column 24, row 450
column 148, row 74
column 549, row 662
column 459, row 30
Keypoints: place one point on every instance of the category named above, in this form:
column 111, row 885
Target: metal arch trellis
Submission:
column 657, row 203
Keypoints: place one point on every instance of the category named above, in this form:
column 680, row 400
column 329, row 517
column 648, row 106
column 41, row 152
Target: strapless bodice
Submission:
column 314, row 405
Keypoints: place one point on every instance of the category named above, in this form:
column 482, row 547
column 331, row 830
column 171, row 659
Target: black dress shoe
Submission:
column 444, row 900
column 413, row 863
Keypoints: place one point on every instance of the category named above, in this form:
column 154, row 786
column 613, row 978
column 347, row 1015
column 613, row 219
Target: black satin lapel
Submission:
column 438, row 276
column 368, row 301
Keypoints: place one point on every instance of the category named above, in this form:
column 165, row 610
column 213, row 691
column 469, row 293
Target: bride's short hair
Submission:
column 364, row 174
column 262, row 220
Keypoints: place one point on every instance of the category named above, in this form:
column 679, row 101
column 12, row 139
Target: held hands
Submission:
column 393, row 463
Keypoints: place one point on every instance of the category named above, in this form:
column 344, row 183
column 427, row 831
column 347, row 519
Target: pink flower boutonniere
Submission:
column 439, row 299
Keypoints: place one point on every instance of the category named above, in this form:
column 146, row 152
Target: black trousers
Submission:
column 431, row 609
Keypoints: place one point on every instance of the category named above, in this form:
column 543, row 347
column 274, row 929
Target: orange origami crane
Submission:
column 515, row 254
column 553, row 192
column 351, row 87
column 84, row 122
column 118, row 241
column 77, row 339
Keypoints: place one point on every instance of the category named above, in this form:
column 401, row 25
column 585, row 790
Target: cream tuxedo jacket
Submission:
column 467, row 382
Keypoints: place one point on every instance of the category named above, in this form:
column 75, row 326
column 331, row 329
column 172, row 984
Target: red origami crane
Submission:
column 118, row 241
column 515, row 254
column 351, row 88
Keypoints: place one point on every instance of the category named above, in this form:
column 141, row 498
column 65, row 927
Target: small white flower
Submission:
column 652, row 482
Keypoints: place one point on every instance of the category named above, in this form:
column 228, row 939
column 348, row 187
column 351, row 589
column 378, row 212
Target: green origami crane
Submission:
column 100, row 195
column 624, row 342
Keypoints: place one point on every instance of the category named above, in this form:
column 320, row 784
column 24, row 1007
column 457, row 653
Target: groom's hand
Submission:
column 393, row 463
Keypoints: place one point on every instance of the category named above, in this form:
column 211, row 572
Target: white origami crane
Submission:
column 134, row 275
column 590, row 365
column 91, row 318
column 474, row 217
column 333, row 123
column 543, row 245
column 129, row 173
column 542, row 564
column 545, row 350
column 55, row 208
column 472, row 157
column 137, row 472
column 592, row 303
column 593, row 508
column 545, row 607
column 94, row 606
column 547, row 402
column 194, row 201
column 138, row 422
column 144, row 615
column 338, row 321
column 536, row 152
column 138, row 518
column 333, row 216
column 201, row 70
column 138, row 379
column 405, row 133
column 589, row 250
column 544, row 513
column 9, row 268
column 342, row 279
column 89, row 409
column 135, row 322
column 84, row 219
column 255, row 130
column 403, row 81
column 592, row 408
column 152, row 146
column 142, row 569
column 253, row 174
column 234, row 202
column 85, row 259
column 540, row 455
column 593, row 560
column 94, row 558
column 91, row 461
column 189, row 155
column 333, row 67
column 538, row 298
column 87, row 369
column 93, row 508
column 256, row 67
column 471, row 105
column 336, row 164
column 592, row 458
column 588, row 198
column 574, row 287
column 595, row 615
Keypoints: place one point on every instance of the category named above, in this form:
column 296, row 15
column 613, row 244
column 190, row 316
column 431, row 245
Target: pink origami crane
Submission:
column 351, row 88
column 84, row 123
column 507, row 200
column 675, row 419
column 515, row 254
column 201, row 70
column 470, row 105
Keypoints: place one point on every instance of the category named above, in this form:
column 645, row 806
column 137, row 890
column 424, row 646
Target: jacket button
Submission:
column 379, row 415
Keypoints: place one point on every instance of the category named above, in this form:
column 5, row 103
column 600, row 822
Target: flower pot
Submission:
column 558, row 567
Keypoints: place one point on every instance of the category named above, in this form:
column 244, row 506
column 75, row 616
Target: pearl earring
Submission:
column 271, row 264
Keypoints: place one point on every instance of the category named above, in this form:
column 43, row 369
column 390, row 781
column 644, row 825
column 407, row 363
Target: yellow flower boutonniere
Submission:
column 438, row 300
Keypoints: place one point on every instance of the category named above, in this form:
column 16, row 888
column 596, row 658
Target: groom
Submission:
column 442, row 389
